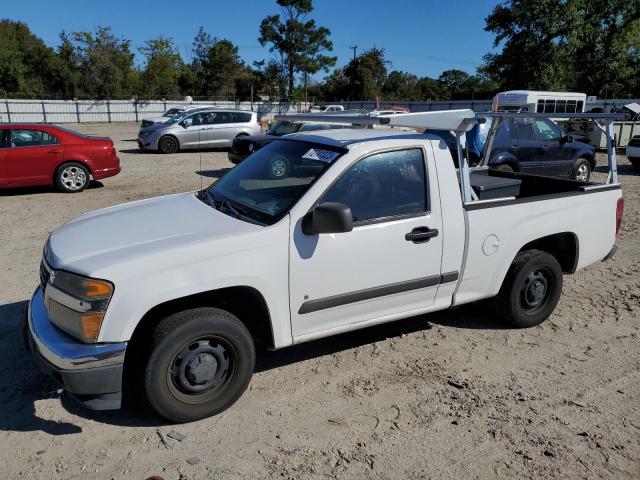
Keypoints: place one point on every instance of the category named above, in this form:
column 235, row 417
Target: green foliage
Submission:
column 299, row 41
column 162, row 73
column 367, row 74
column 589, row 46
column 28, row 68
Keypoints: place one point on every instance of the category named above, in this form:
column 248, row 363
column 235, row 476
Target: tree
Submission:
column 401, row 86
column 105, row 63
column 431, row 89
column 271, row 78
column 367, row 74
column 299, row 41
column 585, row 45
column 161, row 74
column 202, row 42
column 336, row 86
column 28, row 68
column 606, row 46
column 223, row 69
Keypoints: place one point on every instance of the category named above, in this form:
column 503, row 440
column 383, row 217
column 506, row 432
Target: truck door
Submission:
column 390, row 263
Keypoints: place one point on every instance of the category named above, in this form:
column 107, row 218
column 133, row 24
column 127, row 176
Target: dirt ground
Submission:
column 449, row 395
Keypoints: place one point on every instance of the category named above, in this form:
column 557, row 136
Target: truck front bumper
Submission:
column 91, row 373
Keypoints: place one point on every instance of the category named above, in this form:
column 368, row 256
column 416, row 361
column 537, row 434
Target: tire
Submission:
column 531, row 289
column 582, row 170
column 168, row 144
column 201, row 362
column 504, row 167
column 278, row 167
column 72, row 177
column 636, row 164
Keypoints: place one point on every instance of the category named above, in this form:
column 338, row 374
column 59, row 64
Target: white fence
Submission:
column 84, row 111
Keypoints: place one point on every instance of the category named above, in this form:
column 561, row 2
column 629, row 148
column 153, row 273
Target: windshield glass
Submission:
column 269, row 182
column 284, row 128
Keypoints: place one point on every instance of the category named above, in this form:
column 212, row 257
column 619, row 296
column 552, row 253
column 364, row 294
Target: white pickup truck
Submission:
column 172, row 294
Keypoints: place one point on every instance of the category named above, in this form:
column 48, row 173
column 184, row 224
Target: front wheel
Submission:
column 201, row 362
column 582, row 171
column 531, row 289
column 168, row 144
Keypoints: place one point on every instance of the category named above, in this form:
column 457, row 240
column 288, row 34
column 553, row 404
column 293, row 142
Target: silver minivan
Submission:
column 204, row 128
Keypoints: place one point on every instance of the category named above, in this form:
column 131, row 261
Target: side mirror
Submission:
column 183, row 124
column 566, row 139
column 328, row 218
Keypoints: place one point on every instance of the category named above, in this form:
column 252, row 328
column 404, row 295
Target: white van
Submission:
column 539, row 102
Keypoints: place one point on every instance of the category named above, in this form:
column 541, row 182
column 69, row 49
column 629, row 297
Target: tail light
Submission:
column 619, row 211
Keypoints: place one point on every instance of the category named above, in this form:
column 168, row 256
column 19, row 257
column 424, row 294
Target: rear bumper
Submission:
column 106, row 172
column 91, row 373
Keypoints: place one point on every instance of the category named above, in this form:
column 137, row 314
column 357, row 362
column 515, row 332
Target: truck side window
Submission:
column 384, row 185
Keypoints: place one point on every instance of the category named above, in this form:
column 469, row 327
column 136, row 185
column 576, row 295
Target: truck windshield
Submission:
column 268, row 183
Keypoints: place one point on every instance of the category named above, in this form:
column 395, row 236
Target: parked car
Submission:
column 326, row 108
column 529, row 145
column 245, row 145
column 367, row 227
column 40, row 154
column 633, row 152
column 202, row 128
column 171, row 113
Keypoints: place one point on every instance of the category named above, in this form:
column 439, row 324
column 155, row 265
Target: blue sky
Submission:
column 423, row 37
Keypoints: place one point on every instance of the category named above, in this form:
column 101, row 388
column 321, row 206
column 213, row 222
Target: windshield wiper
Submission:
column 226, row 207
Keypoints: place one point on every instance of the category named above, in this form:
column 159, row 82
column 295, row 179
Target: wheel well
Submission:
column 589, row 158
column 244, row 302
column 563, row 246
column 512, row 162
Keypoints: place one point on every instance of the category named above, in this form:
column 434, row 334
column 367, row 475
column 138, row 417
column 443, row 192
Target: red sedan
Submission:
column 38, row 154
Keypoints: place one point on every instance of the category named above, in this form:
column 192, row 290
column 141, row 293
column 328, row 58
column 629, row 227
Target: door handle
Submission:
column 54, row 151
column 421, row 234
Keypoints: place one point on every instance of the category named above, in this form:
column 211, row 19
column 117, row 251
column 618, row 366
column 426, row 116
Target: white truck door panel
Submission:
column 372, row 272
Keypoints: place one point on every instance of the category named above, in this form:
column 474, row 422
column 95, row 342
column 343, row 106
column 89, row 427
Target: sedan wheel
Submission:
column 168, row 145
column 72, row 178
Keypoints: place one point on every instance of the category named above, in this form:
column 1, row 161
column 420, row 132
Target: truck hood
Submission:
column 96, row 240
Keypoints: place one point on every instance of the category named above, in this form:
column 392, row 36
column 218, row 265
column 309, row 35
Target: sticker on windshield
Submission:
column 326, row 156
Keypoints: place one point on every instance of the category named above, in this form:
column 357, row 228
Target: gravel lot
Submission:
column 450, row 395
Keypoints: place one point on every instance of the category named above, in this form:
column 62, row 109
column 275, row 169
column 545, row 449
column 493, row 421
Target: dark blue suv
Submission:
column 528, row 145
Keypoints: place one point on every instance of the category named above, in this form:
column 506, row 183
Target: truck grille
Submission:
column 44, row 275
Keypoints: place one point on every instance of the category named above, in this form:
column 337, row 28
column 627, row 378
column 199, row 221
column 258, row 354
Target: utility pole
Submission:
column 354, row 48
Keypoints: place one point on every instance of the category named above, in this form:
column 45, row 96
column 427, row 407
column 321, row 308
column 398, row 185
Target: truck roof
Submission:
column 346, row 136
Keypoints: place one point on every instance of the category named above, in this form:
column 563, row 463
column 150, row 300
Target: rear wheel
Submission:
column 582, row 171
column 531, row 289
column 201, row 362
column 72, row 177
column 168, row 144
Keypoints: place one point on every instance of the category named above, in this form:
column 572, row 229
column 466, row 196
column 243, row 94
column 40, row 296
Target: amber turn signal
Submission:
column 97, row 288
column 91, row 325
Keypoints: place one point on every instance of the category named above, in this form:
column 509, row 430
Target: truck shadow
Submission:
column 624, row 169
column 24, row 385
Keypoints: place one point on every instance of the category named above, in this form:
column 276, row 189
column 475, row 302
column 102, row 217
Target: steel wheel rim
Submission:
column 536, row 290
column 73, row 178
column 201, row 369
column 583, row 173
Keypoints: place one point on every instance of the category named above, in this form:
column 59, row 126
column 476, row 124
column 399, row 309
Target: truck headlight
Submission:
column 77, row 304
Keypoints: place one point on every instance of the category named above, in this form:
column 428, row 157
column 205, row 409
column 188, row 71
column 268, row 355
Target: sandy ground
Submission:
column 450, row 395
